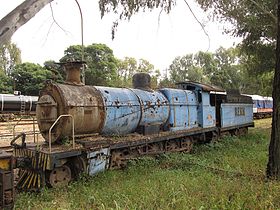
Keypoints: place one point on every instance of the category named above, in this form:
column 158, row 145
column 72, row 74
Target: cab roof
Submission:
column 189, row 85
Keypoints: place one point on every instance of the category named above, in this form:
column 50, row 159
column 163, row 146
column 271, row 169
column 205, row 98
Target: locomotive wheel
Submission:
column 171, row 146
column 154, row 148
column 117, row 160
column 60, row 176
column 187, row 144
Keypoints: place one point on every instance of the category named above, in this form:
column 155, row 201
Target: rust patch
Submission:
column 209, row 117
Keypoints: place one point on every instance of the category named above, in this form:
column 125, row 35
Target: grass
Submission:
column 229, row 174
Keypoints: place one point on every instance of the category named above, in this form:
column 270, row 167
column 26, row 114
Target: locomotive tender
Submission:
column 108, row 126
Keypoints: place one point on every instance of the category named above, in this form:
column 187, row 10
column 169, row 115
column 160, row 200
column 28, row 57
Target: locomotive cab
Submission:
column 206, row 111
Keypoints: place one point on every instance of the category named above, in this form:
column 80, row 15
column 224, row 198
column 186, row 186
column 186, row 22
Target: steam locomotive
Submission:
column 92, row 128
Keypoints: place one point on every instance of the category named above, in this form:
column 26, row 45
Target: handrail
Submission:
column 73, row 129
column 14, row 127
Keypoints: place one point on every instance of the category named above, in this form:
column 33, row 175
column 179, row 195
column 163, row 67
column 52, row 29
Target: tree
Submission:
column 29, row 8
column 126, row 68
column 101, row 63
column 256, row 23
column 184, row 68
column 6, row 83
column 129, row 66
column 57, row 70
column 228, row 73
column 10, row 56
column 29, row 78
column 18, row 17
column 220, row 68
column 273, row 165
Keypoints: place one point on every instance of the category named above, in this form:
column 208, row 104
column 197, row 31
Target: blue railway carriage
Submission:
column 234, row 112
column 262, row 107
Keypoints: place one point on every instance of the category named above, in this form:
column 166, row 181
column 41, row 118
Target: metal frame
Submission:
column 55, row 122
column 2, row 104
column 14, row 127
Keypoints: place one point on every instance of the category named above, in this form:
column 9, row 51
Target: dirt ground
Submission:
column 26, row 126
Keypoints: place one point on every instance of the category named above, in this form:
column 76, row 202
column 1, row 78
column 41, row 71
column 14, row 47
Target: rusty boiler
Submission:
column 97, row 110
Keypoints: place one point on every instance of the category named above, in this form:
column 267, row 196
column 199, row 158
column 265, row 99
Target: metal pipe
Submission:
column 82, row 35
column 34, row 129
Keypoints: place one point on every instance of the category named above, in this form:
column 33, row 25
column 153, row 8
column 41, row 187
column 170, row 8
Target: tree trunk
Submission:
column 18, row 17
column 273, row 166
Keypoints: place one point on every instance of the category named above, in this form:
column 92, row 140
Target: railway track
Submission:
column 27, row 133
column 7, row 148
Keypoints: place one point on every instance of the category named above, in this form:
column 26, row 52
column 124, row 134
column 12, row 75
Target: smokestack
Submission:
column 73, row 72
column 141, row 81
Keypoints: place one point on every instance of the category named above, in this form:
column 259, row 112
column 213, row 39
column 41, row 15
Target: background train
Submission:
column 104, row 127
column 16, row 104
column 263, row 106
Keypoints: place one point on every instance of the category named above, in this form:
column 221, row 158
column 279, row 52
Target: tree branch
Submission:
column 264, row 10
column 18, row 17
column 202, row 26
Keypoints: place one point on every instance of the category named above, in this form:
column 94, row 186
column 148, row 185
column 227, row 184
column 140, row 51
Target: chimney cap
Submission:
column 141, row 80
column 73, row 72
column 72, row 63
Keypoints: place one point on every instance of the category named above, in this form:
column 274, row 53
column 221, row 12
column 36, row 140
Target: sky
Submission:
column 156, row 38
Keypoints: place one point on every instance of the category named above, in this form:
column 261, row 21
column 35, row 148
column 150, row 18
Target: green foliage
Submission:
column 256, row 23
column 253, row 20
column 229, row 73
column 129, row 66
column 101, row 63
column 228, row 174
column 220, row 68
column 56, row 69
column 10, row 56
column 29, row 78
column 259, row 84
column 6, row 83
column 184, row 68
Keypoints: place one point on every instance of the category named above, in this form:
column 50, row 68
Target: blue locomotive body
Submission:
column 183, row 109
column 122, row 112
